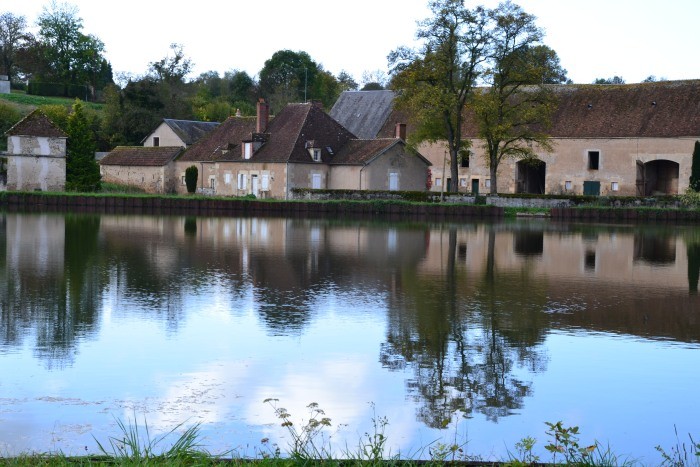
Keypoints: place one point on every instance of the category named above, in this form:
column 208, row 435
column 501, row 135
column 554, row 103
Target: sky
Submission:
column 593, row 38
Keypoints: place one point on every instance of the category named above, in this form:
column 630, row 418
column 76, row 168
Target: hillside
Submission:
column 25, row 103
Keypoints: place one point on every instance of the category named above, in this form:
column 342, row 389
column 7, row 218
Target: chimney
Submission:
column 263, row 115
column 400, row 131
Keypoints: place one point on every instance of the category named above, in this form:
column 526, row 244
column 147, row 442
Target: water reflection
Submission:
column 468, row 308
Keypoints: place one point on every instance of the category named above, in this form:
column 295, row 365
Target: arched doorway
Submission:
column 657, row 177
column 530, row 176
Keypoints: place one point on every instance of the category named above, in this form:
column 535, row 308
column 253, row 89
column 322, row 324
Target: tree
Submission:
column 172, row 69
column 13, row 36
column 346, row 81
column 545, row 60
column 511, row 112
column 436, row 81
column 695, row 169
column 290, row 76
column 191, row 175
column 69, row 55
column 82, row 171
column 614, row 80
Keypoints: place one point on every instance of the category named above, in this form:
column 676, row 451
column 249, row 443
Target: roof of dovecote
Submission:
column 36, row 124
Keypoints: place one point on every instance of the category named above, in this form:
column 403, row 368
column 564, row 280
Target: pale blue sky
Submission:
column 594, row 38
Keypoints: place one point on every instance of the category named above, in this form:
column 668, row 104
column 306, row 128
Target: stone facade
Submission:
column 36, row 155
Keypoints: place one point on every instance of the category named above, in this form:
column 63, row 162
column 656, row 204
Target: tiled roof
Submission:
column 223, row 143
column 36, row 124
column 363, row 112
column 362, row 151
column 190, row 131
column 141, row 156
column 664, row 109
column 290, row 132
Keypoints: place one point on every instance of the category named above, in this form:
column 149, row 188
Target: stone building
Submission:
column 36, row 155
column 627, row 140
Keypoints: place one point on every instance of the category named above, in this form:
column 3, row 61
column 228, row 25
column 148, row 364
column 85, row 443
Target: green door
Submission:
column 591, row 188
column 475, row 186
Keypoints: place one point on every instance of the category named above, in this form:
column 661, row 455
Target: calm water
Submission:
column 468, row 331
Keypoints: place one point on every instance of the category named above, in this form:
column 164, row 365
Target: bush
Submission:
column 191, row 175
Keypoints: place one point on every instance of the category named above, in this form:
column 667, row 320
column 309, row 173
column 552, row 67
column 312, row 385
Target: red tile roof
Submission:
column 295, row 126
column 664, row 109
column 222, row 143
column 141, row 156
column 362, row 151
column 36, row 124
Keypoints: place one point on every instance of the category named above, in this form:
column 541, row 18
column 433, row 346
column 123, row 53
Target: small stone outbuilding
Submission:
column 36, row 155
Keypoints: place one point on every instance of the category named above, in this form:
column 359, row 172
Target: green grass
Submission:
column 26, row 102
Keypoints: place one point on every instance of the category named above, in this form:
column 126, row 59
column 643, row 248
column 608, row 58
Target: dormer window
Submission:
column 247, row 150
column 316, row 154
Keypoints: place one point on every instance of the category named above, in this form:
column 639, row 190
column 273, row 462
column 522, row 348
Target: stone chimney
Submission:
column 263, row 116
column 400, row 131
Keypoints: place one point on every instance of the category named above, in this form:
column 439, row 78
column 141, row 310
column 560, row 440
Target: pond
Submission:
column 470, row 333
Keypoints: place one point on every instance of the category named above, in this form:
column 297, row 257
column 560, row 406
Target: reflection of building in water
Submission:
column 619, row 279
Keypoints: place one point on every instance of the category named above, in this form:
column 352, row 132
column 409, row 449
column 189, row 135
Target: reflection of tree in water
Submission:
column 465, row 338
column 52, row 284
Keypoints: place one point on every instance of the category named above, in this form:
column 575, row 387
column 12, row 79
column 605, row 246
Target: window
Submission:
column 183, row 180
column 212, row 183
column 156, row 141
column 615, row 186
column 463, row 182
column 247, row 150
column 317, row 155
column 487, row 183
column 316, row 181
column 393, row 181
column 265, row 182
column 227, row 178
column 242, row 181
column 567, row 185
column 593, row 160
column 438, row 182
column 464, row 160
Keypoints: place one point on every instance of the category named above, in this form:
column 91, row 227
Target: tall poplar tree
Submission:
column 82, row 171
column 695, row 169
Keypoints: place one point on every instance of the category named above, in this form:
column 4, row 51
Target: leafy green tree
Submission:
column 172, row 68
column 511, row 112
column 545, row 60
column 13, row 36
column 191, row 175
column 347, row 82
column 82, row 171
column 437, row 80
column 71, row 56
column 695, row 169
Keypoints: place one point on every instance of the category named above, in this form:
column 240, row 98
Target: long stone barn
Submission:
column 609, row 140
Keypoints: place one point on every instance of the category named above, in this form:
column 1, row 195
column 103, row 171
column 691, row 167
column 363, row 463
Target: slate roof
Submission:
column 141, row 156
column 189, row 131
column 36, row 124
column 223, row 143
column 296, row 125
column 664, row 109
column 364, row 113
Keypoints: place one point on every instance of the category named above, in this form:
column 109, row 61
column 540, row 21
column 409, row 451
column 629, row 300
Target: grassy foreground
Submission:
column 309, row 445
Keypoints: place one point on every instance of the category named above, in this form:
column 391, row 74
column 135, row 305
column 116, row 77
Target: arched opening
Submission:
column 531, row 175
column 657, row 177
